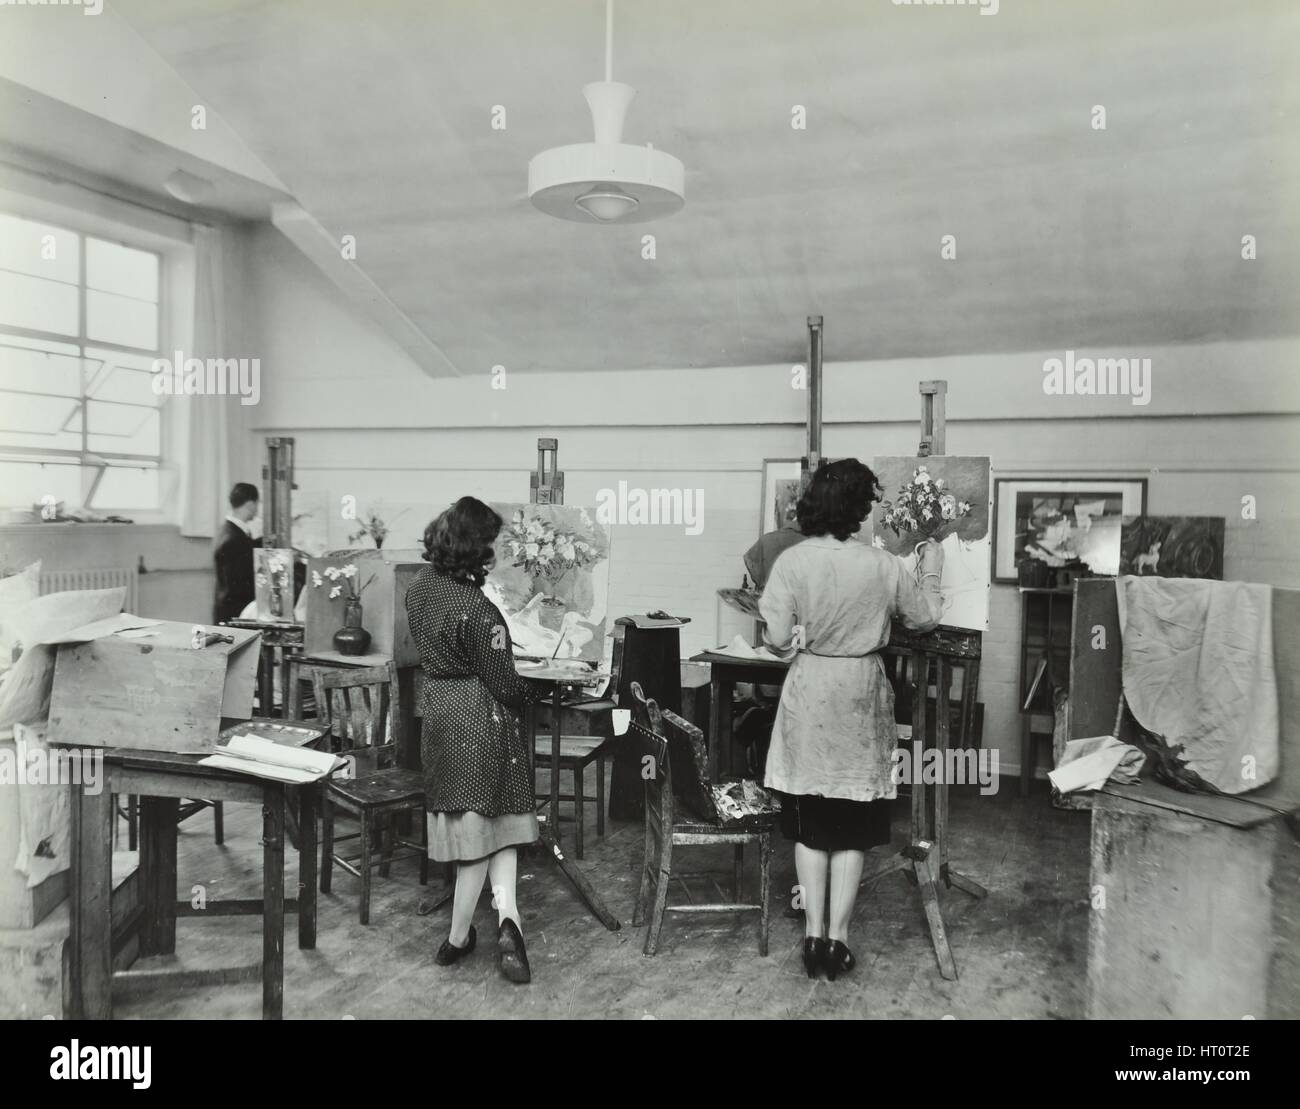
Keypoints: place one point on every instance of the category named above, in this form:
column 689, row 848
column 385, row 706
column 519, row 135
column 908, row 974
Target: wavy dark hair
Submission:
column 458, row 544
column 837, row 499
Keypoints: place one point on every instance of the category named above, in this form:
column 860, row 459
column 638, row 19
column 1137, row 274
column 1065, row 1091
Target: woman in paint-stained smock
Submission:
column 829, row 601
column 477, row 774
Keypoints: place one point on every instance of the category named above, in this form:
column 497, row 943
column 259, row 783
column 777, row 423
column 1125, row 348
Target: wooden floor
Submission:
column 1020, row 953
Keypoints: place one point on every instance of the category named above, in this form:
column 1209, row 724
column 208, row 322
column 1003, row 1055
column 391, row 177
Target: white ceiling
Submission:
column 922, row 121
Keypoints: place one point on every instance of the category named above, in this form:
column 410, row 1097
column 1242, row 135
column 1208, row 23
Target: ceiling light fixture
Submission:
column 607, row 181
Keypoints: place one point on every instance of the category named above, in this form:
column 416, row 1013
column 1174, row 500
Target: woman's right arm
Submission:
column 491, row 654
column 920, row 607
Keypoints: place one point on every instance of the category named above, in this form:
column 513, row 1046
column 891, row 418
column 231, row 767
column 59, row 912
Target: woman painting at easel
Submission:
column 478, row 780
column 830, row 600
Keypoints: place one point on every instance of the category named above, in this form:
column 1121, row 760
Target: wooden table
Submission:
column 725, row 672
column 161, row 779
column 281, row 640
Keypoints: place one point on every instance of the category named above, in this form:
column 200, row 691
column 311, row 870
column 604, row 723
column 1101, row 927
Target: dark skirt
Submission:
column 835, row 823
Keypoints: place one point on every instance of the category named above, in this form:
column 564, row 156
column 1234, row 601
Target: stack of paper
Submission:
column 248, row 754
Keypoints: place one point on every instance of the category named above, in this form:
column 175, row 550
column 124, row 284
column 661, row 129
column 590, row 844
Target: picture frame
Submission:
column 778, row 474
column 1040, row 513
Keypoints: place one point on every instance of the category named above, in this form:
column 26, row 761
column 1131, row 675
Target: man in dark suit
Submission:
column 233, row 555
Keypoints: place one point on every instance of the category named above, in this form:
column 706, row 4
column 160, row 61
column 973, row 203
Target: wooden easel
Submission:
column 924, row 861
column 277, row 493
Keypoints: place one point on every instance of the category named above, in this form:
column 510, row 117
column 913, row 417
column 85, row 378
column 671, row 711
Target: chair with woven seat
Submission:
column 360, row 706
column 679, row 775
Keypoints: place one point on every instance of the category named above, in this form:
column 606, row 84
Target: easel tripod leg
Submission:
column 934, row 916
column 580, row 883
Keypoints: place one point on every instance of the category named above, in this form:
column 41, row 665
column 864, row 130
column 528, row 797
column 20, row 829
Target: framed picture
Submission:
column 1062, row 522
column 781, row 477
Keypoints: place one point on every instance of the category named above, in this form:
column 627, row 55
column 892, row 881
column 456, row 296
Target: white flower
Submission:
column 922, row 477
column 349, row 571
column 316, row 580
column 530, row 549
column 938, row 483
column 335, row 591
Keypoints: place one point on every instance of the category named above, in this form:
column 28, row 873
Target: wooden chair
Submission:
column 361, row 708
column 680, row 775
column 577, row 752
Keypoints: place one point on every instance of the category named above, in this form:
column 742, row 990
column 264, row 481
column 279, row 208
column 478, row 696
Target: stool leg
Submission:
column 579, row 806
column 365, row 867
column 600, row 796
column 739, row 870
column 132, row 821
column 424, row 842
column 764, row 882
column 219, row 822
column 386, row 845
column 326, row 844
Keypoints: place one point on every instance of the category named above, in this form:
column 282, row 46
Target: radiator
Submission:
column 63, row 581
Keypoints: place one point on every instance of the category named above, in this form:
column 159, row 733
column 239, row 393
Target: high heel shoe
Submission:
column 512, row 957
column 814, row 954
column 839, row 960
column 449, row 953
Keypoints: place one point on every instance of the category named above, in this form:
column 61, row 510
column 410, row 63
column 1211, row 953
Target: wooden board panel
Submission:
column 156, row 693
column 1183, row 923
column 1096, row 679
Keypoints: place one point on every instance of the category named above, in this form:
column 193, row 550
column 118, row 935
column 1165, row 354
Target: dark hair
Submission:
column 242, row 493
column 458, row 544
column 837, row 499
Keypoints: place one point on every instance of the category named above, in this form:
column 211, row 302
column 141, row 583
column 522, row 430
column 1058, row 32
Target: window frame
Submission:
column 169, row 241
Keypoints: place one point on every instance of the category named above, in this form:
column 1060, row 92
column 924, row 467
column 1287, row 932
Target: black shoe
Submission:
column 839, row 960
column 814, row 955
column 449, row 953
column 512, row 957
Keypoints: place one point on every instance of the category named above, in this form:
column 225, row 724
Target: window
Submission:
column 80, row 328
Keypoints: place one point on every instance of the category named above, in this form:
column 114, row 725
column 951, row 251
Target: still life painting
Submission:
column 1063, row 524
column 942, row 499
column 782, row 483
column 551, row 580
column 1172, row 546
column 273, row 583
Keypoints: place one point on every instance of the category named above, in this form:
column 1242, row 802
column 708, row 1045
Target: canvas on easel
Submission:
column 919, row 493
column 551, row 580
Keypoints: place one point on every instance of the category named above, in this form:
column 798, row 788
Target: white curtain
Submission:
column 204, row 425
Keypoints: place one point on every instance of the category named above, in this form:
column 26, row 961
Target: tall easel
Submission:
column 546, row 486
column 924, row 861
column 277, row 493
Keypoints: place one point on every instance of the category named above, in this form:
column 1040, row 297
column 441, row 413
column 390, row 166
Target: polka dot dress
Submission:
column 473, row 745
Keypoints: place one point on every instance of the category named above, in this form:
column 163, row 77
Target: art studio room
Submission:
column 483, row 483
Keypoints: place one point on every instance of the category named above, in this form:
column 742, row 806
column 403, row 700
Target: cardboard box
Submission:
column 153, row 692
column 383, row 601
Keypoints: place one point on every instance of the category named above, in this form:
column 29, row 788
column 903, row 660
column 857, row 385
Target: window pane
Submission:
column 128, row 488
column 123, row 428
column 38, row 304
column 33, row 421
column 38, row 249
column 119, row 269
column 23, row 484
column 118, row 319
column 126, row 386
column 34, row 371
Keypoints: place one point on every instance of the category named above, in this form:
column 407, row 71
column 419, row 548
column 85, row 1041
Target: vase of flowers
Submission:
column 924, row 508
column 374, row 526
column 274, row 583
column 352, row 638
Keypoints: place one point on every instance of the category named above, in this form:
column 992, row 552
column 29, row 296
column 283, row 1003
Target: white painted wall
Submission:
column 1222, row 423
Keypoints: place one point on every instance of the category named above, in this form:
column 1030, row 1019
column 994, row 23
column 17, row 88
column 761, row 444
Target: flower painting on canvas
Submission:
column 943, row 499
column 551, row 580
